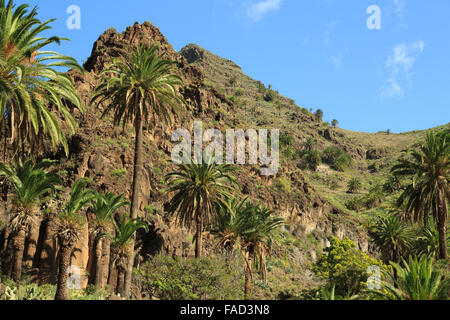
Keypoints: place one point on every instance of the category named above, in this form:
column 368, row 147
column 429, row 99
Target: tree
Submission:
column 354, row 185
column 31, row 90
column 138, row 89
column 229, row 222
column 393, row 237
column 31, row 183
column 334, row 123
column 256, row 232
column 198, row 188
column 319, row 115
column 104, row 207
column 416, row 280
column 69, row 223
column 428, row 190
column 121, row 245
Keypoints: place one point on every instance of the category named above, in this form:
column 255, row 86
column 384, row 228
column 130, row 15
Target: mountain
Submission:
column 222, row 96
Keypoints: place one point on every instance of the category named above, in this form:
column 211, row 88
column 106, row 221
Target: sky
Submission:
column 321, row 53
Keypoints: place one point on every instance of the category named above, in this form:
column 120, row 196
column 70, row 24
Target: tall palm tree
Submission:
column 31, row 182
column 256, row 234
column 69, row 223
column 139, row 89
column 393, row 237
column 31, row 90
column 104, row 207
column 121, row 245
column 429, row 189
column 417, row 280
column 198, row 188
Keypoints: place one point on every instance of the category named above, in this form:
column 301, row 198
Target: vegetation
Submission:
column 30, row 87
column 69, row 224
column 51, row 214
column 139, row 89
column 198, row 188
column 31, row 183
column 416, row 280
column 428, row 193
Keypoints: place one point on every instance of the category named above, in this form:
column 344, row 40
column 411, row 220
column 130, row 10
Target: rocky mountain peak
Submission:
column 112, row 43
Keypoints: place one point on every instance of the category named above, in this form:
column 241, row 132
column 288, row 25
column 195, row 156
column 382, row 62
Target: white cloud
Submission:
column 329, row 28
column 400, row 64
column 257, row 10
column 338, row 60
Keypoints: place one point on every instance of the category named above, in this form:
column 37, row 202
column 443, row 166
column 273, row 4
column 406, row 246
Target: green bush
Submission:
column 311, row 160
column 337, row 158
column 345, row 267
column 206, row 278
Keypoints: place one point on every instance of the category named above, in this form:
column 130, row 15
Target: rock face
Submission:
column 105, row 154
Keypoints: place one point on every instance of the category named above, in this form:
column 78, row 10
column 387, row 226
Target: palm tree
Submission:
column 417, row 280
column 198, row 188
column 69, row 223
column 31, row 183
column 31, row 90
column 319, row 115
column 229, row 222
column 335, row 123
column 256, row 234
column 393, row 237
column 139, row 89
column 429, row 188
column 121, row 245
column 104, row 207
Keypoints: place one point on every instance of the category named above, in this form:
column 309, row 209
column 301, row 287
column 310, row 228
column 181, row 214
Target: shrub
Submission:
column 345, row 267
column 354, row 185
column 337, row 158
column 312, row 160
column 170, row 278
column 355, row 204
column 269, row 96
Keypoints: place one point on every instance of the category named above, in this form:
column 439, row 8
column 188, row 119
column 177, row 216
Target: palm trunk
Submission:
column 102, row 268
column 199, row 240
column 248, row 275
column 138, row 167
column 98, row 262
column 33, row 239
column 442, row 224
column 120, row 282
column 18, row 246
column 61, row 290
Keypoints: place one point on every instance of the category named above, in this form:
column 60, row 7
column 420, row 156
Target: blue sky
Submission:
column 318, row 52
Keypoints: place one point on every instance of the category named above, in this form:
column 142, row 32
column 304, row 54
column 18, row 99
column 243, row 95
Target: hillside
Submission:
column 312, row 202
